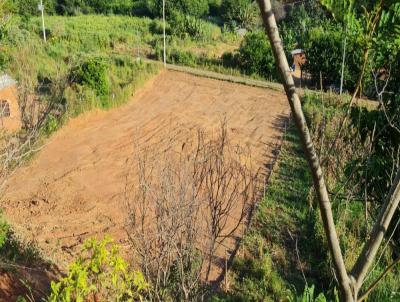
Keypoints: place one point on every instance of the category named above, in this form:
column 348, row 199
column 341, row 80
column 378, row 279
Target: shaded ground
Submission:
column 74, row 188
column 32, row 283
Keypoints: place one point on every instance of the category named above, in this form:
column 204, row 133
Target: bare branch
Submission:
column 370, row 249
column 376, row 282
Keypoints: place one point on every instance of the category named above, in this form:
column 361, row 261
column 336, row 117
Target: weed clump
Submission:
column 99, row 273
column 92, row 73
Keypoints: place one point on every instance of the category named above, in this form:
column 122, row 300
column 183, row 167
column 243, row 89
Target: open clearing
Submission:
column 74, row 188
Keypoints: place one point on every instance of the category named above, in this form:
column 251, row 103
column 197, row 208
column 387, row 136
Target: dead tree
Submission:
column 183, row 205
column 228, row 186
column 164, row 218
column 38, row 102
column 349, row 282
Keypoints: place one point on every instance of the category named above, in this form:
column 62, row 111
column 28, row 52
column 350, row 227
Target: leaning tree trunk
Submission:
column 349, row 284
column 345, row 283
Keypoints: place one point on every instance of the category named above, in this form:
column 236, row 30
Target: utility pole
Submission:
column 343, row 62
column 165, row 54
column 41, row 8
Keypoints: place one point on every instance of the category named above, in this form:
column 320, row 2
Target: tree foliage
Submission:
column 5, row 9
column 255, row 55
column 324, row 54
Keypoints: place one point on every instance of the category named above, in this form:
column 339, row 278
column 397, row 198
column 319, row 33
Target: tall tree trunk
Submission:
column 349, row 284
column 345, row 283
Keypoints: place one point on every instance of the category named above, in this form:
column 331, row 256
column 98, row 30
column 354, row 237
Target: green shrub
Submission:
column 381, row 162
column 12, row 249
column 309, row 296
column 324, row 55
column 157, row 27
column 215, row 7
column 257, row 280
column 230, row 59
column 4, row 230
column 185, row 25
column 28, row 8
column 256, row 57
column 76, row 7
column 242, row 13
column 99, row 273
column 122, row 7
column 183, row 57
column 3, row 59
column 92, row 73
column 196, row 8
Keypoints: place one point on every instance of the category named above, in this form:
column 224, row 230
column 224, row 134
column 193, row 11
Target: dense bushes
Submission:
column 74, row 7
column 242, row 13
column 324, row 56
column 188, row 26
column 234, row 12
column 81, row 56
column 255, row 55
column 4, row 229
column 12, row 249
column 92, row 73
column 28, row 8
column 386, row 145
column 196, row 8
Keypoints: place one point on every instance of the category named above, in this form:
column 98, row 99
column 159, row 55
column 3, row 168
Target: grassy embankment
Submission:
column 137, row 37
column 285, row 250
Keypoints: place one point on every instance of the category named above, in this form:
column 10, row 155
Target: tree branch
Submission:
column 376, row 282
column 370, row 249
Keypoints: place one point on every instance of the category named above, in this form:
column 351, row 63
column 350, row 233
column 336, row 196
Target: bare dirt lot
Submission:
column 73, row 189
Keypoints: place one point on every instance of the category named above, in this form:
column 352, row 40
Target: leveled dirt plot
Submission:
column 74, row 189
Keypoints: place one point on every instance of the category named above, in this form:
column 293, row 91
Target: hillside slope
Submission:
column 74, row 189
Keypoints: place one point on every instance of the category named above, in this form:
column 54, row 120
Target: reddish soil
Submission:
column 32, row 283
column 74, row 187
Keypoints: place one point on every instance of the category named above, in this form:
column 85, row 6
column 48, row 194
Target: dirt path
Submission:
column 74, row 188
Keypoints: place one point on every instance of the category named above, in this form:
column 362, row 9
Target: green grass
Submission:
column 122, row 35
column 272, row 267
column 13, row 250
column 71, row 42
column 269, row 270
